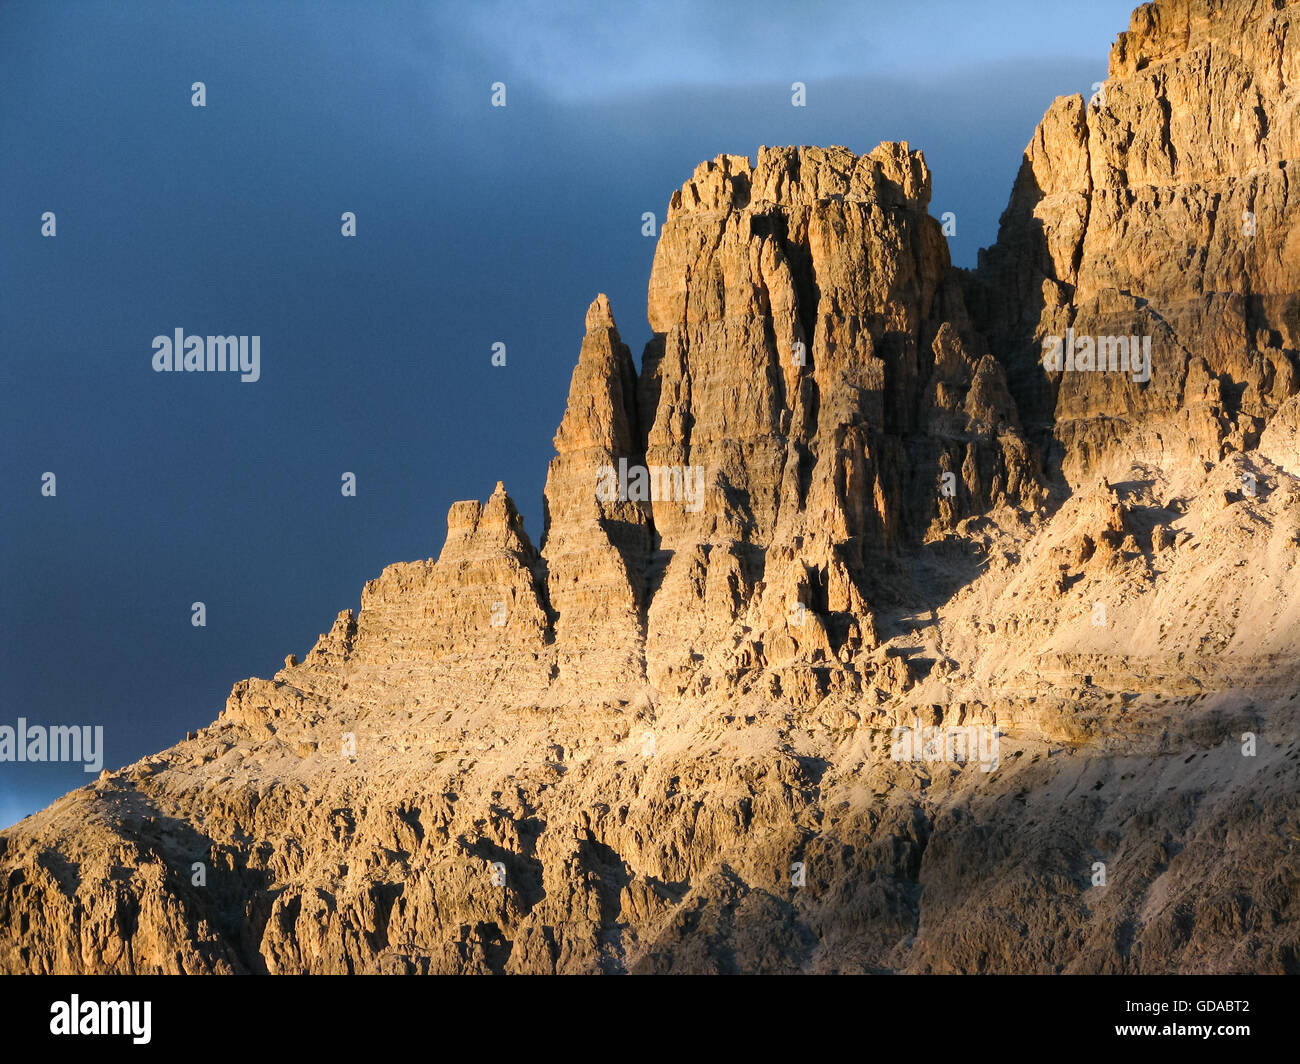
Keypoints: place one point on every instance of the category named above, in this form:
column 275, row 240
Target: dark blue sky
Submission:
column 475, row 225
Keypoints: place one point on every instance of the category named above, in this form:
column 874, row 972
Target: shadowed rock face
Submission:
column 677, row 738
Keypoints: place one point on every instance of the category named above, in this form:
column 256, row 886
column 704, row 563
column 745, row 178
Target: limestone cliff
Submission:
column 1164, row 207
column 814, row 358
column 842, row 506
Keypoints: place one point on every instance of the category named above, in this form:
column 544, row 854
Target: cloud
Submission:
column 575, row 49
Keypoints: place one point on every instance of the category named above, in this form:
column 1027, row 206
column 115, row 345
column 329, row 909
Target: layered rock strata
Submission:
column 1163, row 208
column 712, row 724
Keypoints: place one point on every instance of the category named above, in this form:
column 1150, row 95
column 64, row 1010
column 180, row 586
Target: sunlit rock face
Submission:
column 1164, row 207
column 857, row 639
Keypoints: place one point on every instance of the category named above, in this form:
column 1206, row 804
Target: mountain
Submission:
column 858, row 639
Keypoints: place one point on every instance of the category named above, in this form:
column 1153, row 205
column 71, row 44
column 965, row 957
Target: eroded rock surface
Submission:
column 678, row 736
column 1164, row 207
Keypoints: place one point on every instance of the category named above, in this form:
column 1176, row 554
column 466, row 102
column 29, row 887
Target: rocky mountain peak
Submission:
column 853, row 506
